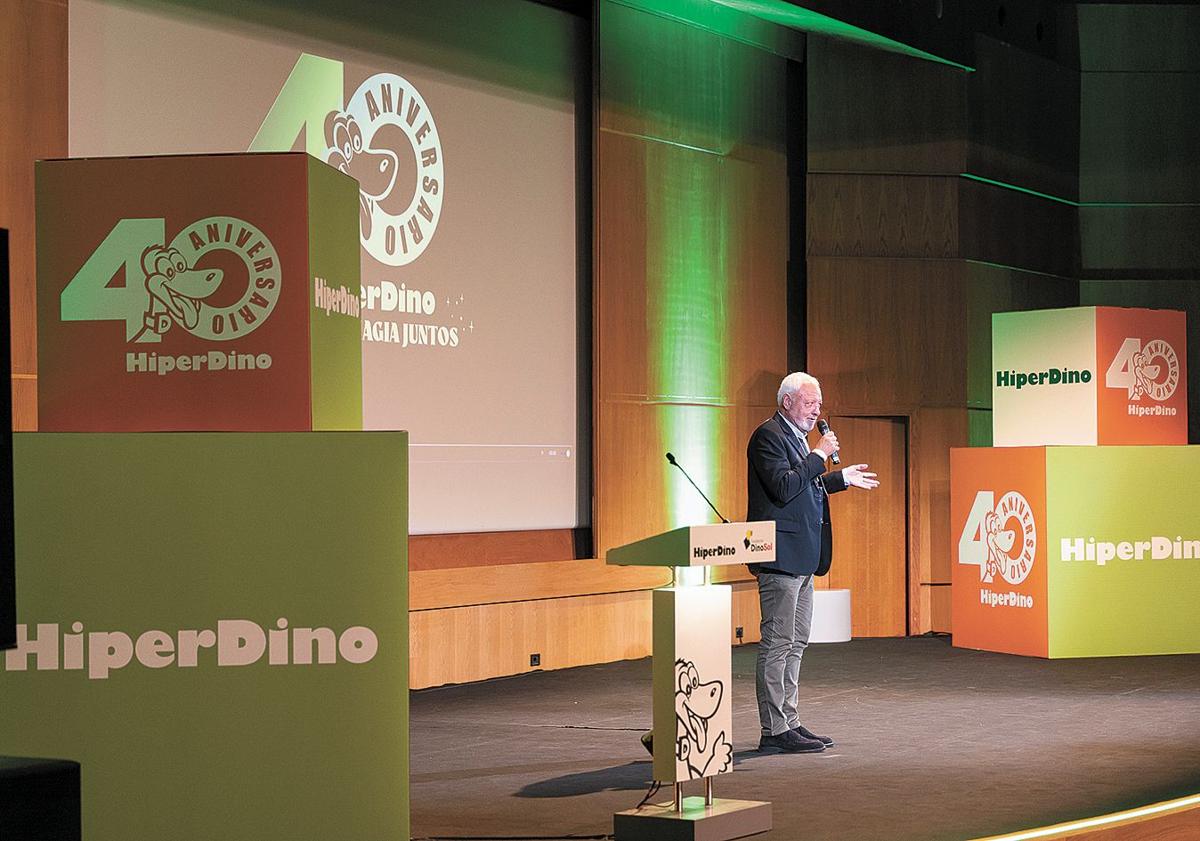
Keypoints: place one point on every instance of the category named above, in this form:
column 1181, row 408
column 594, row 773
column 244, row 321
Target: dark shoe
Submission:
column 789, row 741
column 804, row 733
column 648, row 742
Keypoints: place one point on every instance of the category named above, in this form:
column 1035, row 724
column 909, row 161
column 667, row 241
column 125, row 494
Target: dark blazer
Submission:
column 792, row 490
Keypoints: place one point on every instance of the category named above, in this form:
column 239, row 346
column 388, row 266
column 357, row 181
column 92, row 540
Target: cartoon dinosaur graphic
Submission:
column 695, row 705
column 373, row 169
column 1144, row 374
column 1000, row 543
column 176, row 289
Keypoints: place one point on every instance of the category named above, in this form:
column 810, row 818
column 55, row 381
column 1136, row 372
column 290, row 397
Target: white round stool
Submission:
column 831, row 616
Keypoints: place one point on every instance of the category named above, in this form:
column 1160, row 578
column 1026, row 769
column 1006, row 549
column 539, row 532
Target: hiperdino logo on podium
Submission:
column 1149, row 374
column 703, row 553
column 1000, row 538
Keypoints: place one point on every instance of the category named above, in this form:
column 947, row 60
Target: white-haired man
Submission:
column 787, row 483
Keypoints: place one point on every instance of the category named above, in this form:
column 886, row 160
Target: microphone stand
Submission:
column 671, row 458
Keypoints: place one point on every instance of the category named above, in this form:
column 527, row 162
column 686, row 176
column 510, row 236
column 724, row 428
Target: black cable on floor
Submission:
column 654, row 787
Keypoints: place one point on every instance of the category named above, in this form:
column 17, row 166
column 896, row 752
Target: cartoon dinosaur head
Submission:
column 695, row 702
column 1143, row 372
column 999, row 542
column 373, row 169
column 175, row 286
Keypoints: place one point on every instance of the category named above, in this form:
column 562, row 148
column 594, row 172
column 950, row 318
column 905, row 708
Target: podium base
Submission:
column 722, row 821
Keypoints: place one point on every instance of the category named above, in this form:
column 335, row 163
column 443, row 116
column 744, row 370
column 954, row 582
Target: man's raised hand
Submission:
column 857, row 475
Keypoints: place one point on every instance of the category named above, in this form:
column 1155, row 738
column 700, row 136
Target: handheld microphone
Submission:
column 671, row 458
column 823, row 428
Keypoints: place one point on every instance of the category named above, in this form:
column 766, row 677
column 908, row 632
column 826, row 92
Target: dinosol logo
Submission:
column 1148, row 372
column 387, row 140
column 999, row 537
column 756, row 545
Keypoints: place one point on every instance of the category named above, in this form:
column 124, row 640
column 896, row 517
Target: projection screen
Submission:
column 467, row 212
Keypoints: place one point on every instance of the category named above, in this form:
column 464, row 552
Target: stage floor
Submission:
column 933, row 743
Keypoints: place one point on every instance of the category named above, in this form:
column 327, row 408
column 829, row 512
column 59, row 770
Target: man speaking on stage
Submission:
column 787, row 483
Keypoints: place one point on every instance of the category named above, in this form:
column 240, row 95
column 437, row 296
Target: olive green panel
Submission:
column 173, row 584
column 1138, row 590
column 335, row 346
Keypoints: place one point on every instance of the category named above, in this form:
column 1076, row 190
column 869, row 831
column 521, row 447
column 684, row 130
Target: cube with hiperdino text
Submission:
column 1075, row 551
column 1089, row 375
column 197, row 292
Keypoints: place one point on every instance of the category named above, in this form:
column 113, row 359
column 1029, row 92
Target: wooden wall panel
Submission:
column 866, row 215
column 691, row 229
column 649, row 71
column 932, row 432
column 870, row 537
column 940, row 609
column 1023, row 119
column 481, row 641
column 875, row 111
column 1141, row 242
column 460, row 644
column 446, row 551
column 619, row 363
column 756, row 251
column 745, row 611
column 1139, row 134
column 634, row 447
column 33, row 124
column 24, row 397
column 999, row 225
column 441, row 588
column 886, row 298
column 886, row 335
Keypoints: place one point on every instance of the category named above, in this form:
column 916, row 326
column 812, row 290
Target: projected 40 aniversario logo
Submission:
column 387, row 123
column 383, row 135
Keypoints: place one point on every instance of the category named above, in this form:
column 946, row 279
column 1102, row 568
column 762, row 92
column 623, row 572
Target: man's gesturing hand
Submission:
column 857, row 476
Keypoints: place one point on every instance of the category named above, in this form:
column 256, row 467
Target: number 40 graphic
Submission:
column 972, row 543
column 89, row 297
column 1138, row 369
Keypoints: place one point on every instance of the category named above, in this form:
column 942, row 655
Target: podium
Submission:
column 693, row 707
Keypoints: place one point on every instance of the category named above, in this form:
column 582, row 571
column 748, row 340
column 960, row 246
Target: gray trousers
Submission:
column 786, row 604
